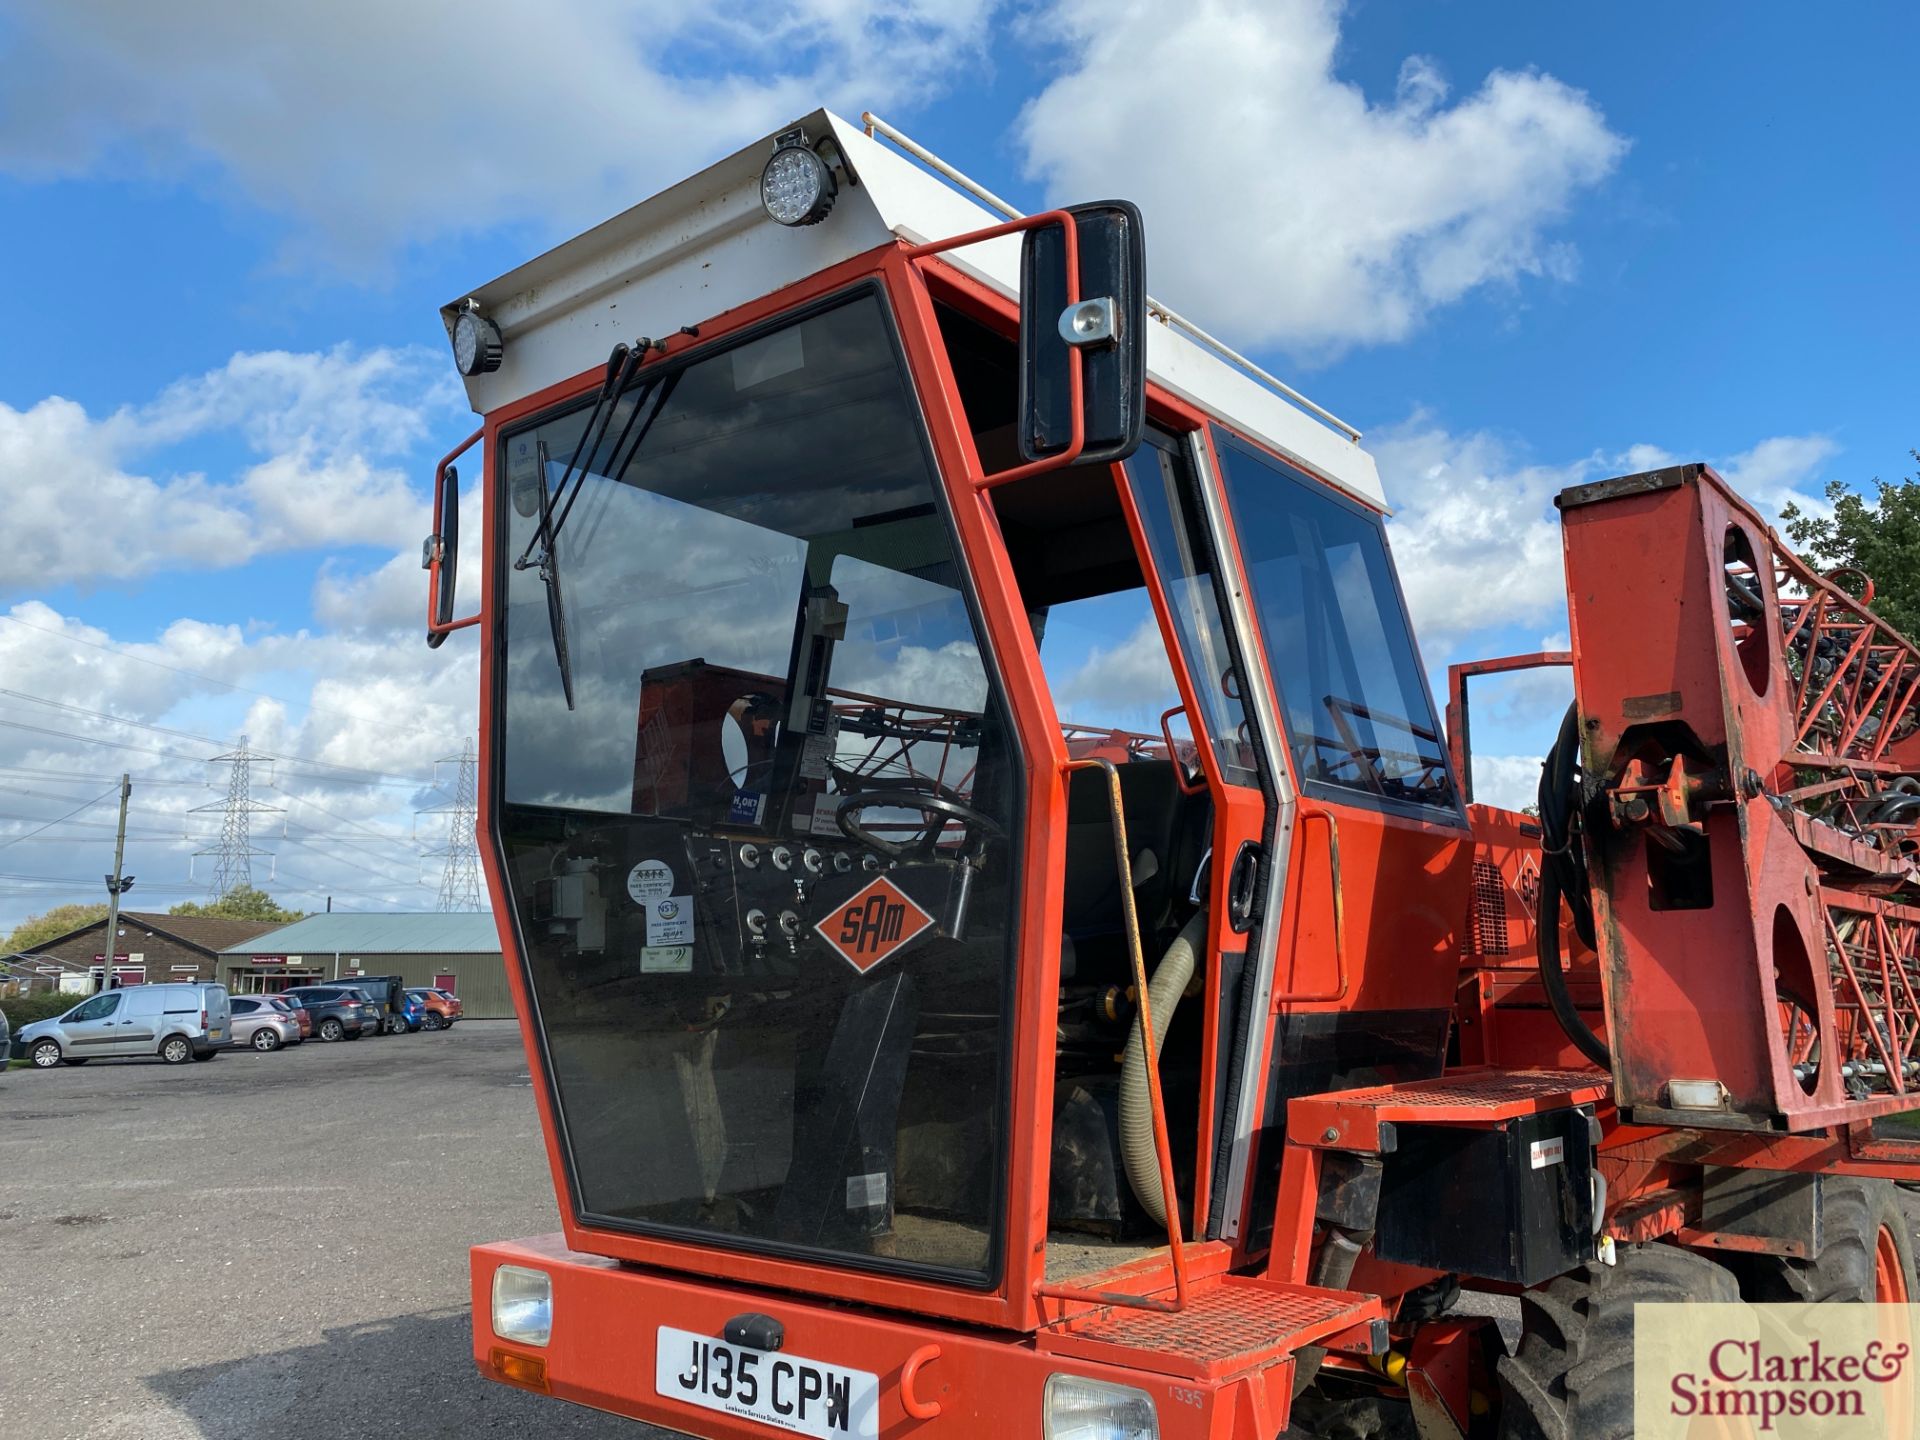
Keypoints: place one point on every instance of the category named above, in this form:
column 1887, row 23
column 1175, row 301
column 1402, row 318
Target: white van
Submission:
column 176, row 1022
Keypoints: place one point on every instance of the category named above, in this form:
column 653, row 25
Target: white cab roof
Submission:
column 706, row 245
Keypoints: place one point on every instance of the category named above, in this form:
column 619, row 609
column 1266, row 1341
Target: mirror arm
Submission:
column 1075, row 360
column 433, row 555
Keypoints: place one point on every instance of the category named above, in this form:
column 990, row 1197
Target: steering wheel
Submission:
column 936, row 804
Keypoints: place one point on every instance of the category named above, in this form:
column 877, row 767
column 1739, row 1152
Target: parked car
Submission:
column 6, row 1041
column 258, row 1022
column 176, row 1022
column 411, row 1017
column 302, row 1017
column 443, row 1007
column 389, row 992
column 339, row 1012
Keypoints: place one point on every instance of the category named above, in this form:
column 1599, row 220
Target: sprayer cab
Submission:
column 960, row 787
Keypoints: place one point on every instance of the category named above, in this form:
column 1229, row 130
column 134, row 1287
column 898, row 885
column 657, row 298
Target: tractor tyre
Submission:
column 1868, row 1254
column 1572, row 1378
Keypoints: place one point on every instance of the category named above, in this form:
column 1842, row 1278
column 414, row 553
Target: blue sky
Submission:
column 1519, row 245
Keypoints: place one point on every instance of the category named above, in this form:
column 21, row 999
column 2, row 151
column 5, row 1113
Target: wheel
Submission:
column 45, row 1054
column 176, row 1050
column 397, row 1025
column 1572, row 1378
column 1867, row 1255
column 432, row 1021
column 265, row 1040
column 332, row 1029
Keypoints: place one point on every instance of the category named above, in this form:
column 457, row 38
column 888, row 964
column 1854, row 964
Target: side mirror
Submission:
column 1105, row 325
column 443, row 548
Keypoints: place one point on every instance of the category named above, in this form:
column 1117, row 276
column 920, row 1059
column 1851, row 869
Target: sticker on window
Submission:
column 670, row 920
column 666, row 959
column 747, row 807
column 880, row 919
column 650, row 880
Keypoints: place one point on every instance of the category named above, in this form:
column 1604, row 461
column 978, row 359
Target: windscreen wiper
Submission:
column 550, row 575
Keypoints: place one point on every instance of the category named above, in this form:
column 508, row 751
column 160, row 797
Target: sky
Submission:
column 1520, row 246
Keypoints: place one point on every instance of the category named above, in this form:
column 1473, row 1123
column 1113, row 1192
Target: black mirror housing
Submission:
column 445, row 540
column 1111, row 338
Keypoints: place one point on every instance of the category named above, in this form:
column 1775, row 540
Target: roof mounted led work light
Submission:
column 477, row 346
column 797, row 186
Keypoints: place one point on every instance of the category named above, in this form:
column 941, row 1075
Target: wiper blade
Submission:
column 550, row 576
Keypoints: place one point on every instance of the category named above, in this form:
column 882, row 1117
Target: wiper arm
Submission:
column 621, row 363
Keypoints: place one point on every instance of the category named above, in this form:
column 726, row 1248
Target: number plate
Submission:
column 806, row 1397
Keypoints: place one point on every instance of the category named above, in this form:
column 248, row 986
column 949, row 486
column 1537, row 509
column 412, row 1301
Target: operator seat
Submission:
column 1164, row 823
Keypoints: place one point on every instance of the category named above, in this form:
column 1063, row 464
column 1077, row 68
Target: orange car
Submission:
column 443, row 1007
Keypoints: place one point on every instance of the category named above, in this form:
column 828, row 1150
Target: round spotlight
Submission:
column 477, row 346
column 797, row 187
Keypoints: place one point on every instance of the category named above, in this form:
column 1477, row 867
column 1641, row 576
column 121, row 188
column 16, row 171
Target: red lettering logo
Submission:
column 877, row 921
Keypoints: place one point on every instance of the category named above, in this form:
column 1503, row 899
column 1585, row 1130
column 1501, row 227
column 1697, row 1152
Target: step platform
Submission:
column 1230, row 1325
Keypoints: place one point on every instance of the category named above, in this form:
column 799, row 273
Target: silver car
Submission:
column 262, row 1024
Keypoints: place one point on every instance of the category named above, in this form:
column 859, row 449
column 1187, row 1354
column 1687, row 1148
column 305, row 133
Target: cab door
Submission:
column 1188, row 571
column 1365, row 890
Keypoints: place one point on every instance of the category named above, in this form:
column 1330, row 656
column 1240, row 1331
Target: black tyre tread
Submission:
column 1572, row 1378
column 1854, row 1210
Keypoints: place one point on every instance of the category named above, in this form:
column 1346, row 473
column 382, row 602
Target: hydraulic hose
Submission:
column 1563, row 870
column 1170, row 980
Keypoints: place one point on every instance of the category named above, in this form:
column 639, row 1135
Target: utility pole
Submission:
column 117, row 885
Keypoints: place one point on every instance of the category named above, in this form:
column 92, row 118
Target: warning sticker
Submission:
column 650, row 880
column 666, row 959
column 1547, row 1152
column 670, row 920
column 880, row 919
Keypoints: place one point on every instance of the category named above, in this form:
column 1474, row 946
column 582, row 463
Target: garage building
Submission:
column 458, row 952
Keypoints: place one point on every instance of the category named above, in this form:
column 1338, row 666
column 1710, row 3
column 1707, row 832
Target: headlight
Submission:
column 1081, row 1409
column 796, row 187
column 523, row 1305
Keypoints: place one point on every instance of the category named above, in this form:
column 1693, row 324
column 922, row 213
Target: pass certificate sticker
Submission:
column 649, row 880
column 670, row 920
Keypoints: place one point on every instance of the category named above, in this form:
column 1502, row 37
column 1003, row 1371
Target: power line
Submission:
column 115, row 650
column 86, row 712
column 68, row 816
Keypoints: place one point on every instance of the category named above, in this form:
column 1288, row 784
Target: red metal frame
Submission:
column 1737, row 704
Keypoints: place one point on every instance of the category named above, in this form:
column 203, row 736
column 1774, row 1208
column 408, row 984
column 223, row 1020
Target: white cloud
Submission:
column 373, row 124
column 1474, row 533
column 1509, row 781
column 1477, row 539
column 1781, row 471
column 1280, row 194
column 326, row 426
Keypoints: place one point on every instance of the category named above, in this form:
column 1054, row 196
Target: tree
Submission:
column 38, row 929
column 243, row 902
column 1880, row 537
